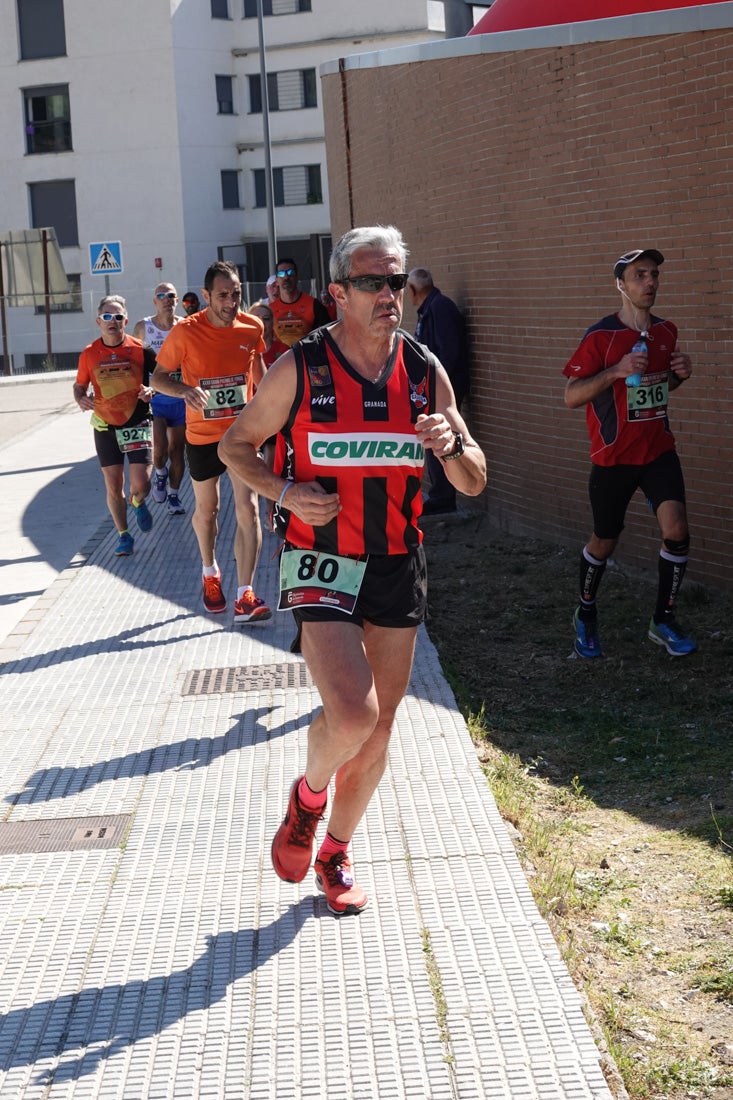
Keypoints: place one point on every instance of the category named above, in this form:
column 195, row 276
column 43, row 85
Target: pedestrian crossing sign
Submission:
column 105, row 258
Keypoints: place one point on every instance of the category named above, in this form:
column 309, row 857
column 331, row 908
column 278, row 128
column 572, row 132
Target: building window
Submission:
column 290, row 90
column 39, row 363
column 41, row 29
column 53, row 203
column 275, row 7
column 219, row 9
column 295, row 185
column 230, row 189
column 225, row 95
column 73, row 306
column 47, row 119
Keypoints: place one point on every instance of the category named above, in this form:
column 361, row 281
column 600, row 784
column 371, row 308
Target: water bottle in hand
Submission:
column 635, row 379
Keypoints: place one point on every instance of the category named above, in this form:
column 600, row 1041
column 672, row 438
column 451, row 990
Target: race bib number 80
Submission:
column 310, row 578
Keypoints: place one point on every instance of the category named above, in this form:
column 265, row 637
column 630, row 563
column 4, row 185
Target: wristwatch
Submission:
column 458, row 448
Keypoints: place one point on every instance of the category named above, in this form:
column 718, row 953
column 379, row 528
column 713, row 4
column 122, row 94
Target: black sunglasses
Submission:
column 372, row 284
column 284, row 272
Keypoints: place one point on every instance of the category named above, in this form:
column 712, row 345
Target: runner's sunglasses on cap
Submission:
column 372, row 284
column 635, row 254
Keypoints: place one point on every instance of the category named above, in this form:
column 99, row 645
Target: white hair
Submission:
column 369, row 236
column 112, row 299
column 421, row 278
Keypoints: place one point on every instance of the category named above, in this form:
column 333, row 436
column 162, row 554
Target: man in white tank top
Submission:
column 169, row 413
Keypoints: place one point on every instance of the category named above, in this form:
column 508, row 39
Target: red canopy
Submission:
column 511, row 15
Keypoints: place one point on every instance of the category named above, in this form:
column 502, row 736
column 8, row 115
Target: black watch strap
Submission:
column 458, row 448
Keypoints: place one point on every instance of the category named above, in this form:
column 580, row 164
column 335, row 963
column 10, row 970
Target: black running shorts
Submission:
column 394, row 593
column 109, row 453
column 611, row 488
column 203, row 461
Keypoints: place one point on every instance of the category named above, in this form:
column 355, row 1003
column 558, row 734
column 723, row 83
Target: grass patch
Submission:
column 436, row 987
column 616, row 776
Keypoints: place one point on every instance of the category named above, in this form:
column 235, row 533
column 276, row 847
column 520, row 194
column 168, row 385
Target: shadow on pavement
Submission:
column 98, row 1023
column 250, row 729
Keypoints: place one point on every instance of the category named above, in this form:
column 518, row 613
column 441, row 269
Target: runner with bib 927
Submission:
column 112, row 383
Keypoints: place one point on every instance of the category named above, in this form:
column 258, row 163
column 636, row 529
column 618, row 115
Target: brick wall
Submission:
column 518, row 178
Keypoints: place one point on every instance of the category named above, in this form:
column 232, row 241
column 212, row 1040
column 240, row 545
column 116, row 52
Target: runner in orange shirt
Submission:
column 219, row 355
column 295, row 312
column 112, row 384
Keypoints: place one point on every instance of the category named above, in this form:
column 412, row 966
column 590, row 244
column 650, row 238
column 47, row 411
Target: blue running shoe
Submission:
column 587, row 643
column 174, row 505
column 160, row 486
column 124, row 546
column 142, row 515
column 671, row 635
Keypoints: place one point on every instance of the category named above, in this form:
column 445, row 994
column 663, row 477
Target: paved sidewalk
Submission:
column 147, row 949
column 52, row 490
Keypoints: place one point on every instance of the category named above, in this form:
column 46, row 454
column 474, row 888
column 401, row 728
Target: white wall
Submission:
column 149, row 145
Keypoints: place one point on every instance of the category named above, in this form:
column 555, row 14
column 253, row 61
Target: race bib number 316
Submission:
column 648, row 401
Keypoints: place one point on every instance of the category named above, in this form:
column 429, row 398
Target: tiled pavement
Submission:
column 149, row 950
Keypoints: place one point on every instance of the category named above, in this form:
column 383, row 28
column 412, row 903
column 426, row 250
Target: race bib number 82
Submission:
column 227, row 396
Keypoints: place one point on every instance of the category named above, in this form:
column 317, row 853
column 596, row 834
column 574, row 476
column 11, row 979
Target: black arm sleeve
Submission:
column 149, row 364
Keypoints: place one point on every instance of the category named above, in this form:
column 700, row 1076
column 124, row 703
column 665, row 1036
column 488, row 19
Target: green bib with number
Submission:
column 226, row 396
column 649, row 400
column 135, row 439
column 312, row 578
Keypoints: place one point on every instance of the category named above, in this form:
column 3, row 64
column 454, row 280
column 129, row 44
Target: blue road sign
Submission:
column 105, row 258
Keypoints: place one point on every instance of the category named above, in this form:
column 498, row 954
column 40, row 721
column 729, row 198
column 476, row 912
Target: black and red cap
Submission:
column 635, row 254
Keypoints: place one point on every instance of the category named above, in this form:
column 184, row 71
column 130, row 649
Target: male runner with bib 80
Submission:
column 356, row 405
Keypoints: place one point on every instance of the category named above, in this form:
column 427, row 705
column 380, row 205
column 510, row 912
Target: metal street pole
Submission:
column 3, row 316
column 269, row 195
column 47, row 301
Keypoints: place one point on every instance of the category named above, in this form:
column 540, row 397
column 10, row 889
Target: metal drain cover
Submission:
column 285, row 675
column 62, row 834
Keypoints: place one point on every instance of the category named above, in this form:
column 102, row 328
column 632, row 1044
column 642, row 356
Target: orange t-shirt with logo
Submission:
column 116, row 374
column 293, row 320
column 220, row 361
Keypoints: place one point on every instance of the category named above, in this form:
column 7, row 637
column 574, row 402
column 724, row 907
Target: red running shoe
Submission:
column 292, row 848
column 250, row 609
column 213, row 596
column 335, row 880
